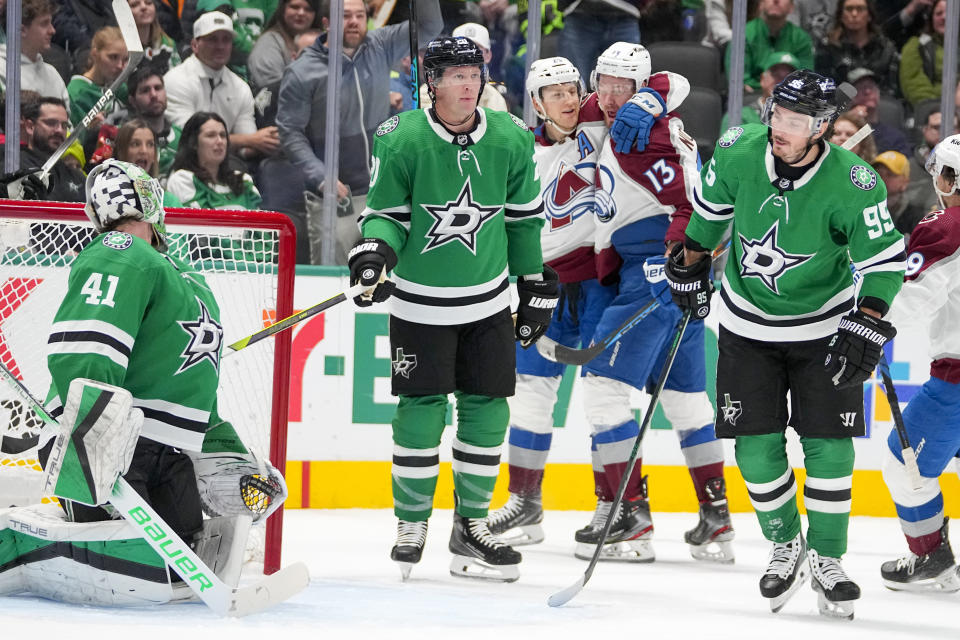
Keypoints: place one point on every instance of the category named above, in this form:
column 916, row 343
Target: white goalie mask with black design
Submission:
column 117, row 190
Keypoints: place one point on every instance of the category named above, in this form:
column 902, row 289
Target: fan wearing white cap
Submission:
column 491, row 98
column 930, row 297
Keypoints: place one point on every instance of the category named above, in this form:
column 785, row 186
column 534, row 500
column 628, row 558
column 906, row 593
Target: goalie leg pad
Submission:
column 221, row 545
column 98, row 563
column 98, row 432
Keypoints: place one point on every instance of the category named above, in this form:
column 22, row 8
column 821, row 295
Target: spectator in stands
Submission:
column 900, row 23
column 249, row 18
column 277, row 47
column 768, row 32
column 491, row 98
column 159, row 49
column 36, row 32
column 920, row 192
column 76, row 22
column 364, row 104
column 857, row 42
column 921, row 63
column 202, row 177
column 45, row 125
column 845, row 126
column 590, row 26
column 203, row 83
column 717, row 24
column 887, row 136
column 894, row 169
column 148, row 102
column 137, row 143
column 816, row 17
column 778, row 66
column 108, row 57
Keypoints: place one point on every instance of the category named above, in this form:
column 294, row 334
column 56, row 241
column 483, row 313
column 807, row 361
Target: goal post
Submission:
column 247, row 258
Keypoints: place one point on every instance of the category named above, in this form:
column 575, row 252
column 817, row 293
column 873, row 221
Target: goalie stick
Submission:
column 909, row 455
column 177, row 554
column 564, row 596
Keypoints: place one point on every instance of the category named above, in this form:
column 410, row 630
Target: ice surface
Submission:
column 356, row 592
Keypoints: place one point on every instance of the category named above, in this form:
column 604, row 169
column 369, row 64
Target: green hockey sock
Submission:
column 481, row 425
column 770, row 482
column 827, row 493
column 417, row 427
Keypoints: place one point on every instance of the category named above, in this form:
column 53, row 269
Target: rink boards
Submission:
column 339, row 445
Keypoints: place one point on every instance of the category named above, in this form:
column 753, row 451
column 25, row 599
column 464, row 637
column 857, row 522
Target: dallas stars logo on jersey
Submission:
column 206, row 336
column 765, row 260
column 460, row 219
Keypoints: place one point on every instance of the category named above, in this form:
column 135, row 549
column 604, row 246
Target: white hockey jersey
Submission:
column 931, row 289
column 567, row 172
column 643, row 198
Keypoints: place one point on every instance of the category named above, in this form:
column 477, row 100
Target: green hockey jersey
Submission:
column 788, row 275
column 139, row 319
column 462, row 211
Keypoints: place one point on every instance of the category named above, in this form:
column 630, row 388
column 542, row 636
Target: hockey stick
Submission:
column 909, row 455
column 414, row 57
column 564, row 596
column 177, row 554
column 556, row 352
column 857, row 137
column 296, row 318
column 131, row 38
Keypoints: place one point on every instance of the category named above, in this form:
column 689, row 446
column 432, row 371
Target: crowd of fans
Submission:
column 228, row 106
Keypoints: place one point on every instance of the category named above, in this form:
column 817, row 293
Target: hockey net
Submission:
column 247, row 258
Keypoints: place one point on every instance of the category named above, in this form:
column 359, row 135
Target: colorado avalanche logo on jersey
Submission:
column 459, row 220
column 765, row 260
column 206, row 336
column 568, row 196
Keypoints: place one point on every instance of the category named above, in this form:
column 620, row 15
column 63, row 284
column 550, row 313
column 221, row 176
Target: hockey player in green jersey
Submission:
column 791, row 321
column 454, row 208
column 135, row 324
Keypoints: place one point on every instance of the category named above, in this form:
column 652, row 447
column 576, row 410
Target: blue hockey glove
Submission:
column 653, row 269
column 635, row 119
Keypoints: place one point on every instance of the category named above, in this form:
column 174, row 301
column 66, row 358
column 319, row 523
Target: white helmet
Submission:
column 548, row 71
column 945, row 155
column 118, row 190
column 623, row 60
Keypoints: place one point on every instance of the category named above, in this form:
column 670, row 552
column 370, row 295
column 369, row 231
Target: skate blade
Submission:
column 842, row 609
column 405, row 568
column 947, row 582
column 469, row 567
column 626, row 551
column 523, row 535
column 718, row 551
column 777, row 603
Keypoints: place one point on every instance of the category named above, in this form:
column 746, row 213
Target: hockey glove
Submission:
column 690, row 285
column 369, row 260
column 856, row 348
column 635, row 119
column 23, row 185
column 234, row 484
column 653, row 269
column 538, row 299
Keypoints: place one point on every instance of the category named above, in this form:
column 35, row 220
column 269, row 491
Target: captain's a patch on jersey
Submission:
column 388, row 125
column 520, row 123
column 118, row 240
column 863, row 178
column 730, row 136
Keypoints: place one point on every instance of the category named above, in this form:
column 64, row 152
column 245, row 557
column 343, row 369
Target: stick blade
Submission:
column 272, row 590
column 128, row 27
column 546, row 347
column 564, row 596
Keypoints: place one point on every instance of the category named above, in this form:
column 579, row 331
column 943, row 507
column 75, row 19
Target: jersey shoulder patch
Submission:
column 730, row 136
column 520, row 123
column 118, row 240
column 862, row 177
column 388, row 125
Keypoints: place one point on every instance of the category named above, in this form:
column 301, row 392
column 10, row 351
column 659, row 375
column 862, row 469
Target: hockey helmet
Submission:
column 945, row 156
column 550, row 71
column 446, row 52
column 118, row 190
column 623, row 60
column 811, row 94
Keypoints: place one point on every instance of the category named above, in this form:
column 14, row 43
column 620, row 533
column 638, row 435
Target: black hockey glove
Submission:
column 856, row 348
column 23, row 185
column 369, row 260
column 538, row 299
column 690, row 286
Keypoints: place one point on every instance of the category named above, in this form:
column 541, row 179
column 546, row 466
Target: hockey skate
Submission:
column 787, row 570
column 592, row 530
column 710, row 539
column 477, row 554
column 411, row 536
column 934, row 571
column 629, row 539
column 517, row 523
column 836, row 592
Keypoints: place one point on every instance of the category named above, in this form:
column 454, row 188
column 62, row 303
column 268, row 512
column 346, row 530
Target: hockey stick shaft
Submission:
column 909, row 455
column 857, row 137
column 131, row 38
column 562, row 597
column 296, row 318
column 177, row 554
column 414, row 57
column 556, row 352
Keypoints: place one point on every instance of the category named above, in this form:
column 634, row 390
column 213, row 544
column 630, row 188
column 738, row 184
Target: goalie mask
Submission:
column 548, row 72
column 944, row 161
column 117, row 190
column 623, row 60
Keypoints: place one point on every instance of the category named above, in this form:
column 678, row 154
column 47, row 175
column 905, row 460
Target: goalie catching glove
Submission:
column 856, row 348
column 369, row 260
column 538, row 299
column 233, row 484
column 690, row 285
